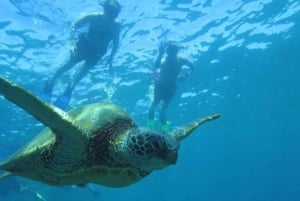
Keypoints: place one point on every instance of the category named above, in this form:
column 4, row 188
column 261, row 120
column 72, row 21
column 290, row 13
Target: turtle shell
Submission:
column 53, row 159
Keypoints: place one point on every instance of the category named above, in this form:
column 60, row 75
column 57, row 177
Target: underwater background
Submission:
column 247, row 68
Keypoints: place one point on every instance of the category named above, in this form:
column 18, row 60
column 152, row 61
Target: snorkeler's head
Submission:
column 172, row 47
column 111, row 8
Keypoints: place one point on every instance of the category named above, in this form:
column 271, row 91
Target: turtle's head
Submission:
column 150, row 150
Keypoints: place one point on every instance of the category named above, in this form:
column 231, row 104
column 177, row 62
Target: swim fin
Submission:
column 165, row 127
column 151, row 123
column 46, row 94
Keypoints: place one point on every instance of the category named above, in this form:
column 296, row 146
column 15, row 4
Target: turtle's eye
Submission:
column 156, row 144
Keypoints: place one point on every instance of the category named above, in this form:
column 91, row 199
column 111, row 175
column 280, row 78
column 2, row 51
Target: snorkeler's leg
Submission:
column 165, row 125
column 151, row 110
column 156, row 100
column 67, row 66
column 163, row 112
column 80, row 75
column 150, row 120
column 63, row 100
column 47, row 91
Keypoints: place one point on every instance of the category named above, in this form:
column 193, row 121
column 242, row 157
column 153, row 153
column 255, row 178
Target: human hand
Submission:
column 162, row 46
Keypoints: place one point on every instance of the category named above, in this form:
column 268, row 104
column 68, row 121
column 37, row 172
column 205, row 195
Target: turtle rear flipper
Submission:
column 183, row 132
column 62, row 124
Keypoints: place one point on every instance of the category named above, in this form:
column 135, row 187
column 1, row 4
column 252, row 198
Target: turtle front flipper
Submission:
column 62, row 125
column 183, row 132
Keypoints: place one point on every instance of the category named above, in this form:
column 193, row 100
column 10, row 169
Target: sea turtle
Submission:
column 97, row 143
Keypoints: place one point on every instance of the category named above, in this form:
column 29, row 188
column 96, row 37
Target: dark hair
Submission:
column 173, row 44
column 172, row 47
column 108, row 4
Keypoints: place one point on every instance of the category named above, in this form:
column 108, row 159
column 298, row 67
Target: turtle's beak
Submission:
column 183, row 132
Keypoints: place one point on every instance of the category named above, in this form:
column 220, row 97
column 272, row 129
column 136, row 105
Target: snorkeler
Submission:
column 166, row 83
column 89, row 46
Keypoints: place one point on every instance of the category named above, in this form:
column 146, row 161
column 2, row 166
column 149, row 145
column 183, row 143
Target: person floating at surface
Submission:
column 166, row 83
column 89, row 46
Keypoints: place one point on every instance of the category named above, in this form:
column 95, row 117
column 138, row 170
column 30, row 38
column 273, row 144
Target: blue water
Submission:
column 247, row 57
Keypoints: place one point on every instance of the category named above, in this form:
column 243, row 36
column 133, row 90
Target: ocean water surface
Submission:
column 247, row 68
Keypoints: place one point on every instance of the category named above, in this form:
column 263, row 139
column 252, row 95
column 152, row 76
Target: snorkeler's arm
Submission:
column 161, row 51
column 84, row 20
column 158, row 61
